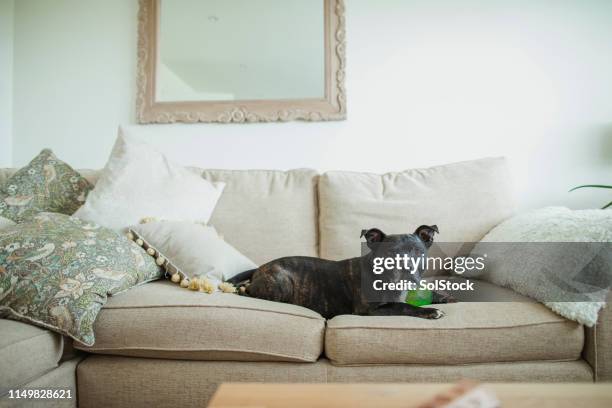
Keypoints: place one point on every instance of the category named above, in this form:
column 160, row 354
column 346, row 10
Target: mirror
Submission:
column 240, row 60
column 211, row 50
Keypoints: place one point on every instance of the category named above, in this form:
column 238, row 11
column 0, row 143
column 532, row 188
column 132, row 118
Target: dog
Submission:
column 333, row 288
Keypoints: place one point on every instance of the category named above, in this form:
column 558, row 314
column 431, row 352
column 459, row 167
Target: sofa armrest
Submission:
column 598, row 344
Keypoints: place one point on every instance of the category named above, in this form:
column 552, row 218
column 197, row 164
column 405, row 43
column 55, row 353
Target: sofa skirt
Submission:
column 112, row 381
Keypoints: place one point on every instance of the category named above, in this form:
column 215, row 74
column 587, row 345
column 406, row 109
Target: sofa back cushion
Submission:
column 267, row 214
column 465, row 200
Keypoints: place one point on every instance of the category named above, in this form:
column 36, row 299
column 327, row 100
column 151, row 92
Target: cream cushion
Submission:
column 194, row 249
column 162, row 320
column 465, row 200
column 474, row 332
column 139, row 182
column 26, row 352
column 267, row 214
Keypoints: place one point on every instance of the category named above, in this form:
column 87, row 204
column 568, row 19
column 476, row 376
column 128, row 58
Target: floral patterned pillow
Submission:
column 56, row 271
column 46, row 184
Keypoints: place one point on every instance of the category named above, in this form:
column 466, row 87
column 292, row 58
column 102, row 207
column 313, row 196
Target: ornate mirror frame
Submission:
column 331, row 107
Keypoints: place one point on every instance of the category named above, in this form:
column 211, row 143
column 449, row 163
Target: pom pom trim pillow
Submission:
column 56, row 272
column 139, row 182
column 192, row 250
column 46, row 184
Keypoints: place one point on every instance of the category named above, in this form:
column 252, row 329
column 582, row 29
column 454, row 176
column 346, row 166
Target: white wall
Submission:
column 6, row 81
column 429, row 82
column 74, row 77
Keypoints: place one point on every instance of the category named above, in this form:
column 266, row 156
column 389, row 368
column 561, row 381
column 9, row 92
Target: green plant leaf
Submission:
column 591, row 186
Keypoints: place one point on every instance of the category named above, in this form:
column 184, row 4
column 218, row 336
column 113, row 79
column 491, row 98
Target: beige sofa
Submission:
column 159, row 345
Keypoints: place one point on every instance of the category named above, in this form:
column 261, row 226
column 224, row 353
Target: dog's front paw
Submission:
column 443, row 297
column 433, row 314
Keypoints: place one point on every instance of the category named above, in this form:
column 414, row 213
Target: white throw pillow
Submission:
column 194, row 249
column 552, row 259
column 139, row 182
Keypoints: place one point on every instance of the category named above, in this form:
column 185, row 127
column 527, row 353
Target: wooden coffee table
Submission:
column 236, row 395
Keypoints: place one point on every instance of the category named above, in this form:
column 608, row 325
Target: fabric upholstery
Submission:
column 90, row 175
column 60, row 378
column 528, row 371
column 26, row 352
column 46, row 184
column 162, row 320
column 478, row 191
column 56, row 272
column 112, row 381
column 469, row 333
column 193, row 249
column 252, row 201
column 267, row 214
column 598, row 344
column 119, row 382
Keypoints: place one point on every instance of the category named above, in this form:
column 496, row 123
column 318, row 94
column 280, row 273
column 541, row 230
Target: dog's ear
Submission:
column 426, row 233
column 373, row 236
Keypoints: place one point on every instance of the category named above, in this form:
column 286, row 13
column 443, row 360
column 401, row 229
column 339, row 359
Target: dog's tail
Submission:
column 242, row 281
column 242, row 277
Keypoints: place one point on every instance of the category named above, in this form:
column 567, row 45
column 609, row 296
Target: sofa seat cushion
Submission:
column 475, row 332
column 162, row 320
column 26, row 353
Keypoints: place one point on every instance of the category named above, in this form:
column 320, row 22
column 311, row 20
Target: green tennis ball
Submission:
column 419, row 297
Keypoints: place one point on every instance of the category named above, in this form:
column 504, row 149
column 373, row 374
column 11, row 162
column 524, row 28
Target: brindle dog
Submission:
column 333, row 288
